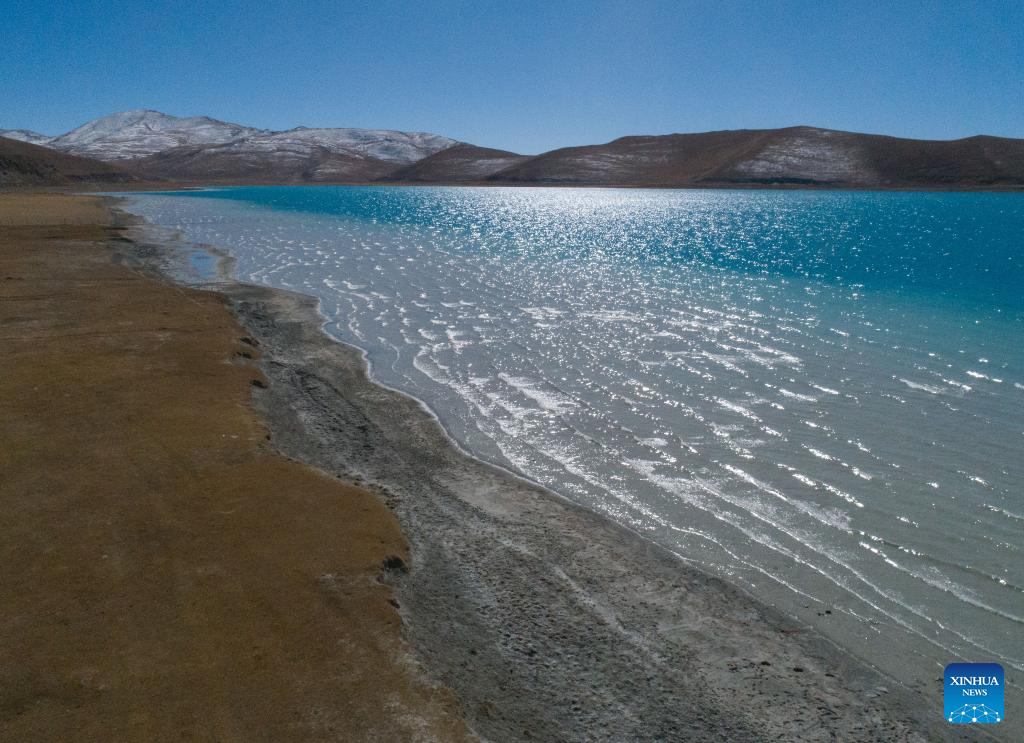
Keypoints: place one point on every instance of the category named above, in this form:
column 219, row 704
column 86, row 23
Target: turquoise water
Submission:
column 816, row 395
column 950, row 245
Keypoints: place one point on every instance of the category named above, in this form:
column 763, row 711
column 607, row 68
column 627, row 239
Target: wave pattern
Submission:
column 819, row 397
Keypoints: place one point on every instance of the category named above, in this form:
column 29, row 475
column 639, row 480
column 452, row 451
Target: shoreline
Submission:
column 156, row 186
column 664, row 639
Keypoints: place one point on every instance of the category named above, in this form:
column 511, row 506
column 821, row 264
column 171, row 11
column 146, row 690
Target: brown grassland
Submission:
column 165, row 574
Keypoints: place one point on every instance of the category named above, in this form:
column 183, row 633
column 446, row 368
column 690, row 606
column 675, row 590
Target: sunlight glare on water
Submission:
column 818, row 396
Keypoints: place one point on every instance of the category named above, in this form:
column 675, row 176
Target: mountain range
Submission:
column 149, row 146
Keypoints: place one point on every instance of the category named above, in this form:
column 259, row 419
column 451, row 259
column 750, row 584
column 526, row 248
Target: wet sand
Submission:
column 548, row 622
column 166, row 575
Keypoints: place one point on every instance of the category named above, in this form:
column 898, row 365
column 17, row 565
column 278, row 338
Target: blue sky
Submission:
column 522, row 75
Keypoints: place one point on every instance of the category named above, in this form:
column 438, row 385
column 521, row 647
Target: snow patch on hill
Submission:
column 818, row 155
column 26, row 135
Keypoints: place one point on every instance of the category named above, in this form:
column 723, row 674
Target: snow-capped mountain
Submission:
column 132, row 134
column 26, row 135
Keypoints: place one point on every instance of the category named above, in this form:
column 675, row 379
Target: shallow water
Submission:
column 817, row 395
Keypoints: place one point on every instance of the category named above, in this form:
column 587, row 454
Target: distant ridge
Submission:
column 796, row 156
column 155, row 146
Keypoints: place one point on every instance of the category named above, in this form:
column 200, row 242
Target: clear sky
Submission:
column 522, row 75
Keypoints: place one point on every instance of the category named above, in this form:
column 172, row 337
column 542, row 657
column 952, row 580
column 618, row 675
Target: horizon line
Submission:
column 553, row 149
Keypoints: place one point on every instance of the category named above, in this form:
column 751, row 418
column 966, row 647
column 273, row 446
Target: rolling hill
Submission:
column 796, row 156
column 26, row 164
column 459, row 164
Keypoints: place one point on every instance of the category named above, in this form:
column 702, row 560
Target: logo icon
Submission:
column 974, row 692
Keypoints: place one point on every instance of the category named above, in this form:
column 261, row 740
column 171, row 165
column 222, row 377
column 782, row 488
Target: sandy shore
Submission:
column 548, row 622
column 165, row 574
